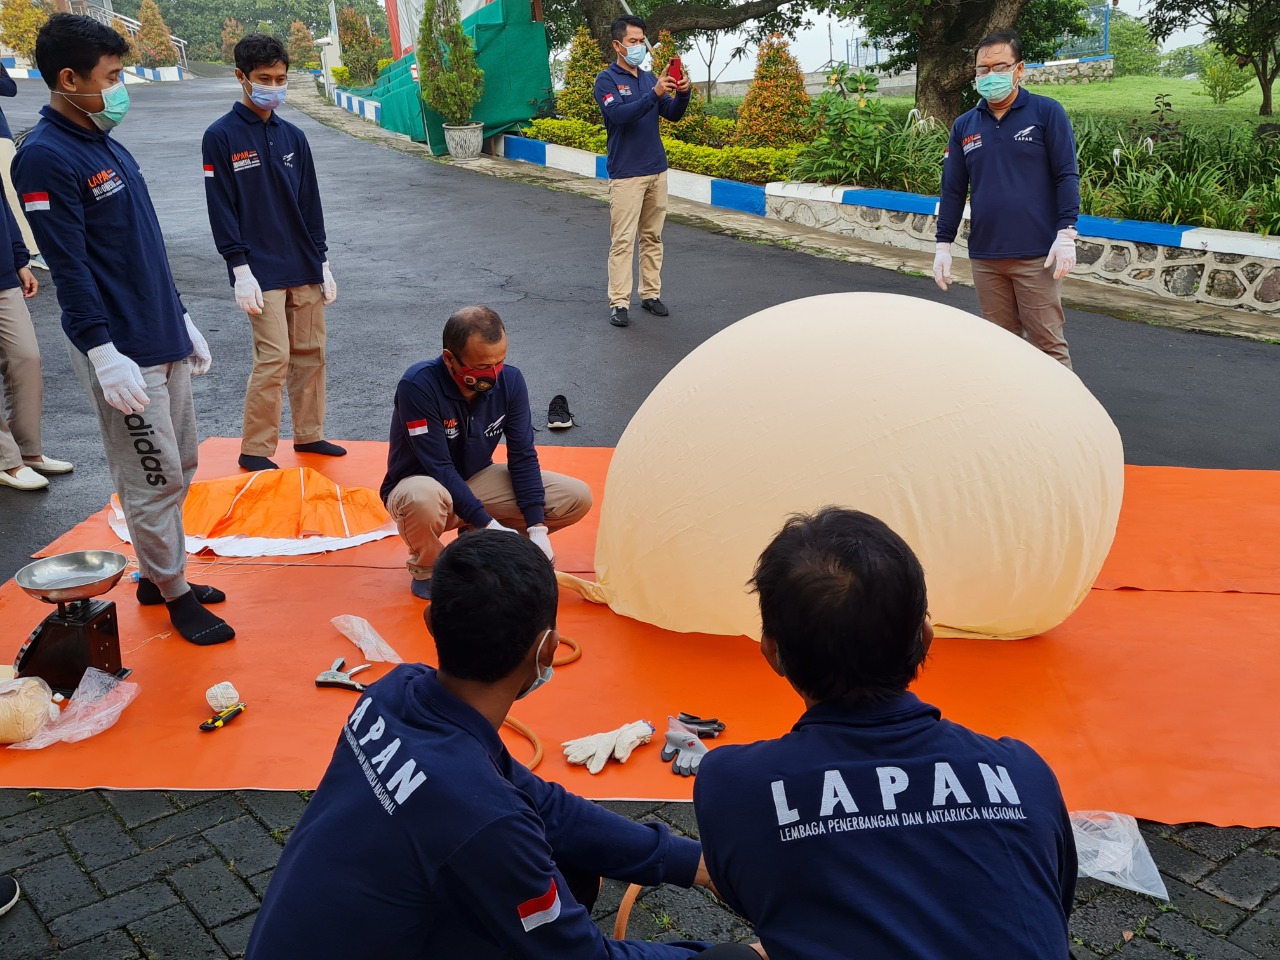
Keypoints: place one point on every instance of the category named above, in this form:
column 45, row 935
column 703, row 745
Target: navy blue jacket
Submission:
column 436, row 432
column 886, row 831
column 1019, row 174
column 11, row 238
column 425, row 839
column 8, row 88
column 264, row 202
column 88, row 206
column 631, row 110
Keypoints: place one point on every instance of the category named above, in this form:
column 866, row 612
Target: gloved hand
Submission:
column 201, row 358
column 539, row 534
column 942, row 267
column 328, row 286
column 1064, row 251
column 495, row 525
column 248, row 293
column 595, row 750
column 683, row 749
column 120, row 379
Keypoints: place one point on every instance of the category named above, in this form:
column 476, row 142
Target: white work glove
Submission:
column 201, row 358
column 495, row 525
column 1064, row 251
column 683, row 749
column 248, row 293
column 328, row 285
column 594, row 751
column 942, row 267
column 120, row 379
column 540, row 535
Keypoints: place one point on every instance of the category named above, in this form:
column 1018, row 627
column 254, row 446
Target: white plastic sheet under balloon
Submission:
column 994, row 462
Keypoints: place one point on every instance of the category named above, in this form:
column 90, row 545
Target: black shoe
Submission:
column 421, row 588
column 558, row 415
column 257, row 463
column 656, row 307
column 618, row 317
column 9, row 894
column 322, row 447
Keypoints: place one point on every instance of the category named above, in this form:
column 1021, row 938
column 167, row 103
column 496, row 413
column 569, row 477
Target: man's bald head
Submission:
column 473, row 321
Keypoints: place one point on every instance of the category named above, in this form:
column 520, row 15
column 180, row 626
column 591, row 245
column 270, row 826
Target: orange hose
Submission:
column 575, row 651
column 529, row 735
column 624, row 911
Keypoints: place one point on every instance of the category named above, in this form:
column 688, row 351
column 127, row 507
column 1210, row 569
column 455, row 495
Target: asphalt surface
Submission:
column 111, row 874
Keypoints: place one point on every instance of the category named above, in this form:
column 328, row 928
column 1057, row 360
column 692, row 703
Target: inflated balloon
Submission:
column 991, row 459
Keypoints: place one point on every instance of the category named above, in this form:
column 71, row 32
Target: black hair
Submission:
column 619, row 28
column 259, row 50
column 844, row 599
column 68, row 40
column 1003, row 38
column 492, row 596
column 471, row 322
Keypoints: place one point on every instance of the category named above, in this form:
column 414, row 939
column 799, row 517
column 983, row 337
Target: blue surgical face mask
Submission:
column 268, row 98
column 115, row 104
column 995, row 87
column 636, row 54
column 544, row 675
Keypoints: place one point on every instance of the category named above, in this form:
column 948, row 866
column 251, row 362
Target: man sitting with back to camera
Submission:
column 875, row 828
column 427, row 839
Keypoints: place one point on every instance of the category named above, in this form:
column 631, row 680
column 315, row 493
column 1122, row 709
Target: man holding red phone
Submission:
column 632, row 101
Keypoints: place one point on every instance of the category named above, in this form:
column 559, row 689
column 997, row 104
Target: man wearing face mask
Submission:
column 264, row 208
column 1014, row 157
column 458, row 851
column 449, row 415
column 132, row 343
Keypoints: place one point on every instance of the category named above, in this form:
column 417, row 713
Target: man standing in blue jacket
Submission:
column 426, row 838
column 449, row 415
column 875, row 828
column 631, row 101
column 1014, row 157
column 132, row 343
column 264, row 208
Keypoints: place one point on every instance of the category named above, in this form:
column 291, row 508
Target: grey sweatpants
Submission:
column 152, row 458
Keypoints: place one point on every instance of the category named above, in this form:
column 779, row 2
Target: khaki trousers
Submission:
column 23, row 385
column 636, row 203
column 7, row 150
column 288, row 350
column 423, row 509
column 1023, row 297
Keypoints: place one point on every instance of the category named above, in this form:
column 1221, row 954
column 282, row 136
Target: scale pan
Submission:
column 72, row 576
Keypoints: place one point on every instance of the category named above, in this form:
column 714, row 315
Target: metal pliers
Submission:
column 335, row 677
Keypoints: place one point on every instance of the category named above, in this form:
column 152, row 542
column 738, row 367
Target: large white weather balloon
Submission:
column 992, row 460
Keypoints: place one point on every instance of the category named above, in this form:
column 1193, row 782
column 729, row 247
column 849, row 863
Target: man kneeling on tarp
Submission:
column 875, row 828
column 426, row 839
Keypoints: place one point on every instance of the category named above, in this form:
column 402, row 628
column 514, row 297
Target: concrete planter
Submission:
column 464, row 140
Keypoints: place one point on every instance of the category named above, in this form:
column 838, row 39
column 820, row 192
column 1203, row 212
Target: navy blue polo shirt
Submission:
column 11, row 239
column 264, row 202
column 88, row 206
column 886, row 831
column 425, row 839
column 631, row 111
column 436, row 432
column 1019, row 174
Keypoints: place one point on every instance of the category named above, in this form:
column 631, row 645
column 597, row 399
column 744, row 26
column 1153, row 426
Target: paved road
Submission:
column 129, row 874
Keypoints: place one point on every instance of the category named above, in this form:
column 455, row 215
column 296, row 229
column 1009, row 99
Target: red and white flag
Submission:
column 208, row 169
column 534, row 913
column 35, row 201
column 416, row 427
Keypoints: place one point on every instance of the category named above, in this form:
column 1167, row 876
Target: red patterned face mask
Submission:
column 479, row 379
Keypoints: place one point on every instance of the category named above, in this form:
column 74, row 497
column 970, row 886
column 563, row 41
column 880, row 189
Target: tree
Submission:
column 20, row 21
column 302, row 45
column 775, row 111
column 1185, row 60
column 155, row 49
column 1246, row 30
column 451, row 80
column 131, row 57
column 577, row 99
column 1221, row 78
column 360, row 48
column 232, row 33
column 1135, row 53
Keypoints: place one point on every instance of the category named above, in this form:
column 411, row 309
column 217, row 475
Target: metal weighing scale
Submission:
column 83, row 632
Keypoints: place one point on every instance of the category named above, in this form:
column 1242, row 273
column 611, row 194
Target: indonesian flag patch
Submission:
column 608, row 99
column 416, row 428
column 208, row 169
column 35, row 201
column 534, row 913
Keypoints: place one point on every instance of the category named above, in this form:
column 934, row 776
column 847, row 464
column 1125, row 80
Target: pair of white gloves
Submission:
column 1063, row 251
column 683, row 748
column 538, row 533
column 249, row 293
column 121, row 379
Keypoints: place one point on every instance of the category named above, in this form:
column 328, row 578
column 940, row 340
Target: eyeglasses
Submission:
column 994, row 68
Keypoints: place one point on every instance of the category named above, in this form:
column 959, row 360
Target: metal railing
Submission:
column 97, row 11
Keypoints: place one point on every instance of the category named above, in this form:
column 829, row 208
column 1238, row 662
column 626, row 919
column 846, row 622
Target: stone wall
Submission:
column 1071, row 72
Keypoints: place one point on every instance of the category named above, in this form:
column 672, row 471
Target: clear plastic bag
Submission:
column 96, row 705
column 361, row 633
column 26, row 705
column 1111, row 849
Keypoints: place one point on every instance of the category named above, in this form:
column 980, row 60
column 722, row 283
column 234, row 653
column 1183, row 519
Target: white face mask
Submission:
column 544, row 675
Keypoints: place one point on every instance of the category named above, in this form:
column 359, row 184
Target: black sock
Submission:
column 149, row 594
column 197, row 624
column 323, row 447
column 257, row 463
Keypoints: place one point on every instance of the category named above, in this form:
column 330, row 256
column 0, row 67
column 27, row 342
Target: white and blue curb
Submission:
column 19, row 73
column 360, row 106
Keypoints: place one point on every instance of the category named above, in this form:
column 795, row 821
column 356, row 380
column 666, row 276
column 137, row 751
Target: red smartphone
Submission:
column 675, row 69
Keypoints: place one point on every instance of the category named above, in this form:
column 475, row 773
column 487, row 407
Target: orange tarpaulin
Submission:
column 280, row 503
column 1154, row 703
